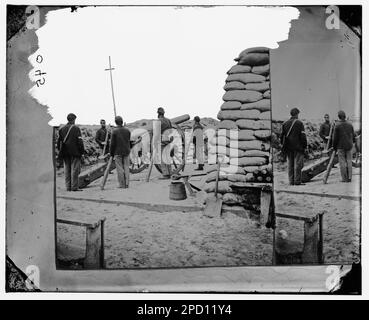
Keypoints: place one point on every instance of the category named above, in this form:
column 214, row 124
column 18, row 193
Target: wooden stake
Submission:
column 329, row 168
column 106, row 173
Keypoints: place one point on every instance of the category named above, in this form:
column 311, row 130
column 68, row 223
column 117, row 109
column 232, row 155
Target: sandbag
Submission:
column 263, row 70
column 245, row 135
column 266, row 115
column 235, row 114
column 245, row 78
column 219, row 141
column 256, row 153
column 253, row 145
column 224, row 168
column 243, row 96
column 259, row 86
column 232, row 198
column 262, row 134
column 248, row 161
column 252, row 50
column 231, row 105
column 252, row 124
column 254, row 59
column 267, row 94
column 223, row 187
column 212, row 176
column 250, row 169
column 240, row 178
column 227, row 124
column 267, row 167
column 261, row 105
column 231, row 133
column 239, row 69
column 234, row 85
column 231, row 152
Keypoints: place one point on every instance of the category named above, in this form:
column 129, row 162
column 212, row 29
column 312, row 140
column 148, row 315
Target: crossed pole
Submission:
column 110, row 69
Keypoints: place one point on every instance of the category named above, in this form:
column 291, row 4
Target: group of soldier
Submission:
column 339, row 136
column 116, row 144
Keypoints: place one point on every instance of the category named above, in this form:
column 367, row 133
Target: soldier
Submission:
column 198, row 137
column 71, row 149
column 325, row 130
column 343, row 142
column 165, row 125
column 101, row 137
column 120, row 149
column 295, row 143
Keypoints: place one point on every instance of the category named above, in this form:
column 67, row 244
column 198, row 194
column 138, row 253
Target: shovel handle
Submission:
column 217, row 179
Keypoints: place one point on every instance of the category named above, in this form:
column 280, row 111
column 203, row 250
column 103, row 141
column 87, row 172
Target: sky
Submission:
column 170, row 57
column 316, row 70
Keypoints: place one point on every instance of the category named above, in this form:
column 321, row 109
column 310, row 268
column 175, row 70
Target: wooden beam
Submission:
column 324, row 195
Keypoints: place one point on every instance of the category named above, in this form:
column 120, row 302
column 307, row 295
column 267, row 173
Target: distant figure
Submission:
column 71, row 148
column 165, row 125
column 325, row 130
column 120, row 148
column 343, row 142
column 198, row 140
column 293, row 133
column 101, row 137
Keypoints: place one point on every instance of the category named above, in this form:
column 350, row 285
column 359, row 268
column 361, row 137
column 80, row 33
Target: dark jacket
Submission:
column 100, row 137
column 296, row 140
column 120, row 143
column 165, row 124
column 343, row 136
column 73, row 146
column 324, row 131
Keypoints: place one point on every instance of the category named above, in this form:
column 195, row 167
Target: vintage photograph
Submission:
column 316, row 124
column 188, row 136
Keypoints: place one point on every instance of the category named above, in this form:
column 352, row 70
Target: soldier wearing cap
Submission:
column 325, row 130
column 295, row 143
column 71, row 149
column 165, row 125
column 343, row 142
column 120, row 148
column 101, row 138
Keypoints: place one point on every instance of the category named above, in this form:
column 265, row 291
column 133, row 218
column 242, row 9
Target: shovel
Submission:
column 214, row 204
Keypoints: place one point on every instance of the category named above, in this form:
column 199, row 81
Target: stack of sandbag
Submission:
column 244, row 132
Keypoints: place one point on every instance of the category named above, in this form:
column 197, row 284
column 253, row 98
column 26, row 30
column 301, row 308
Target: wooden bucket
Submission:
column 177, row 191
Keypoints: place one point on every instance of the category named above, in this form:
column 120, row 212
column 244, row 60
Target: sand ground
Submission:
column 139, row 238
column 154, row 237
column 341, row 222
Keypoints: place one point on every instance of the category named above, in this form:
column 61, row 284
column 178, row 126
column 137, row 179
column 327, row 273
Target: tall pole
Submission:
column 110, row 69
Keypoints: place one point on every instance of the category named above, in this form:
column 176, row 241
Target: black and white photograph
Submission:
column 178, row 139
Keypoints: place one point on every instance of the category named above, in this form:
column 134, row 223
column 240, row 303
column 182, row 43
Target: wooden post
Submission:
column 321, row 239
column 265, row 201
column 106, row 173
column 156, row 146
column 329, row 167
column 110, row 69
column 94, row 246
column 310, row 252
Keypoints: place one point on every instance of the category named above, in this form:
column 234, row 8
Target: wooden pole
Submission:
column 329, row 168
column 110, row 69
column 106, row 173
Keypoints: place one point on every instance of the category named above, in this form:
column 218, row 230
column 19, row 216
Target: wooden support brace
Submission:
column 310, row 253
column 95, row 246
column 265, row 201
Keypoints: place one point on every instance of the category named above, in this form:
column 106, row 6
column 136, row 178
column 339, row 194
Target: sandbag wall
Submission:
column 244, row 132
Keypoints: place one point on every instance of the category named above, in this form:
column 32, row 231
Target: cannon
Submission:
column 141, row 152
